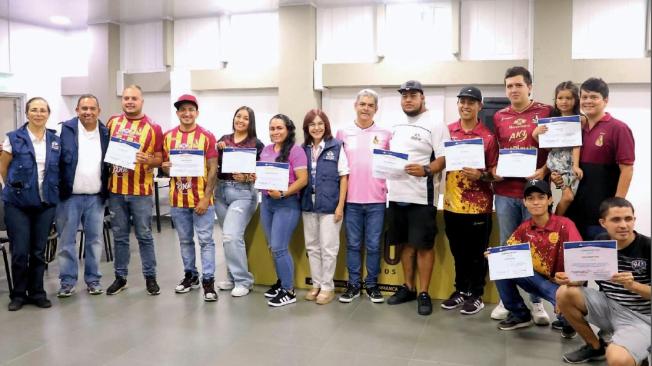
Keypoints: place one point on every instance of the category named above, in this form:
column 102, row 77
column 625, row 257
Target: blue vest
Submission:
column 21, row 188
column 326, row 181
column 70, row 156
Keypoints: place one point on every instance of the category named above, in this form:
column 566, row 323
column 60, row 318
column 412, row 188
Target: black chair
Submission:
column 4, row 241
column 51, row 245
column 106, row 235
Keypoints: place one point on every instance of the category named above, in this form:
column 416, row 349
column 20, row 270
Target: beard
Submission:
column 415, row 112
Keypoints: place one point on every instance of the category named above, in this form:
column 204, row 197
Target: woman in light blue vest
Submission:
column 322, row 203
column 29, row 165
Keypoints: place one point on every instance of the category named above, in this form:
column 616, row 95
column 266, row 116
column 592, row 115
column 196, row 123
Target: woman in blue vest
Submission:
column 322, row 203
column 29, row 166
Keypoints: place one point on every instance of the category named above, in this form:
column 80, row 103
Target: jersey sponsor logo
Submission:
column 416, row 137
column 639, row 266
column 194, row 145
column 183, row 187
column 518, row 136
column 519, row 122
column 600, row 140
column 119, row 170
column 376, row 141
column 129, row 134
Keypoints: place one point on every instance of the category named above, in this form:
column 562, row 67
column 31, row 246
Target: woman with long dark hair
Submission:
column 280, row 210
column 235, row 203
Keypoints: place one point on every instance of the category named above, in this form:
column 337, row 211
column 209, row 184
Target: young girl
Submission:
column 565, row 161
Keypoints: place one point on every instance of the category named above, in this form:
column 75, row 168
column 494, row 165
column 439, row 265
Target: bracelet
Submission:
column 282, row 194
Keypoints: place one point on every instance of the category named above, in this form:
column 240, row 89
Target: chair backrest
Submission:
column 3, row 227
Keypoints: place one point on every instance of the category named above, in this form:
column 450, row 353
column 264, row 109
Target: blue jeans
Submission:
column 536, row 285
column 140, row 209
column 87, row 209
column 235, row 203
column 363, row 220
column 280, row 218
column 187, row 222
column 28, row 229
column 511, row 213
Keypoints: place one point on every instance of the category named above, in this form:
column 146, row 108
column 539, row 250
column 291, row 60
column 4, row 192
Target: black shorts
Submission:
column 412, row 224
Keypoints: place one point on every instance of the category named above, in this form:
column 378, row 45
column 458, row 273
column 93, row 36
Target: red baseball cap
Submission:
column 186, row 98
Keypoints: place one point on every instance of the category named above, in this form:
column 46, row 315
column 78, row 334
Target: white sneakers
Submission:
column 236, row 291
column 499, row 312
column 539, row 314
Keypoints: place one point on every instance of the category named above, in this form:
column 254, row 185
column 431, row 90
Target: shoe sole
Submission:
column 477, row 310
column 62, row 296
column 569, row 336
column 240, row 295
column 446, row 307
column 376, row 301
column 184, row 291
column 270, row 296
column 517, row 326
column 117, row 291
column 210, row 300
column 598, row 358
column 282, row 304
column 542, row 323
column 95, row 292
column 154, row 293
column 346, row 301
column 225, row 288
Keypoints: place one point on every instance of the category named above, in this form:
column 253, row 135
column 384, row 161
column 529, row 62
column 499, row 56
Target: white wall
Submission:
column 141, row 47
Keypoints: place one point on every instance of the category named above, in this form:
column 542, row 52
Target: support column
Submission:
column 552, row 52
column 297, row 53
column 103, row 65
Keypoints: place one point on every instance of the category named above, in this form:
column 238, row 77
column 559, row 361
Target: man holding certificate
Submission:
column 468, row 205
column 131, row 188
column 621, row 308
column 191, row 193
column 413, row 201
column 546, row 234
column 513, row 127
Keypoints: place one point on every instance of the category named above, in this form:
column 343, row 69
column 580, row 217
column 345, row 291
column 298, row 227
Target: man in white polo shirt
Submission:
column 83, row 190
column 413, row 202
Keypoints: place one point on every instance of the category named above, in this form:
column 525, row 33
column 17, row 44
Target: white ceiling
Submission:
column 84, row 12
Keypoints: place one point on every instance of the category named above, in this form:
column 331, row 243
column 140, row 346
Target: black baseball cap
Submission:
column 537, row 185
column 410, row 85
column 471, row 92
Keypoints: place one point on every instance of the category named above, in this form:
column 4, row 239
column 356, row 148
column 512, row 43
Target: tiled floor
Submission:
column 133, row 328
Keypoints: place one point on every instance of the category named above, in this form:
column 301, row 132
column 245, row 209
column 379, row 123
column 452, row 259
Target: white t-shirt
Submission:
column 88, row 174
column 420, row 137
column 40, row 152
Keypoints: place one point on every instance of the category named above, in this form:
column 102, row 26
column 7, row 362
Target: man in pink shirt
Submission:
column 364, row 212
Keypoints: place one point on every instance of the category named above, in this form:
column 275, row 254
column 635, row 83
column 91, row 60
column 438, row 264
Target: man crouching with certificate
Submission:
column 546, row 234
column 185, row 148
column 621, row 308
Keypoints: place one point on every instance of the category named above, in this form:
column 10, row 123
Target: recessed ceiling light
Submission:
column 60, row 20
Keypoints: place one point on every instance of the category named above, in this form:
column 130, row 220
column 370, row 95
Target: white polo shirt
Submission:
column 88, row 174
column 422, row 138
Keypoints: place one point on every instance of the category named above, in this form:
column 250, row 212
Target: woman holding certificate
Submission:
column 29, row 166
column 322, row 203
column 236, row 197
column 282, row 161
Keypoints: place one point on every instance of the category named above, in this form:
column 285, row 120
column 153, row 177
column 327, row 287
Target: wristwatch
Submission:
column 282, row 194
column 427, row 171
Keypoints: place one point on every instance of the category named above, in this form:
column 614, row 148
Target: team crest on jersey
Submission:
column 639, row 266
column 329, row 155
column 187, row 146
column 128, row 134
column 600, row 140
column 553, row 238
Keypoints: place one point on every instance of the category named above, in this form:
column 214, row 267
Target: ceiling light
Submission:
column 60, row 20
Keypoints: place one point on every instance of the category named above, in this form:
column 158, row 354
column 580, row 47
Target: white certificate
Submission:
column 388, row 164
column 519, row 163
column 510, row 261
column 272, row 176
column 186, row 163
column 122, row 153
column 238, row 160
column 562, row 132
column 464, row 154
column 590, row 260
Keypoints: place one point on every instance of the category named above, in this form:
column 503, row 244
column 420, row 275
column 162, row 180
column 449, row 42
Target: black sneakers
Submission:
column 424, row 304
column 16, row 304
column 403, row 294
column 373, row 293
column 118, row 285
column 351, row 293
column 472, row 305
column 188, row 283
column 283, row 297
column 455, row 300
column 273, row 291
column 586, row 353
column 514, row 322
column 568, row 332
column 152, row 286
column 209, row 290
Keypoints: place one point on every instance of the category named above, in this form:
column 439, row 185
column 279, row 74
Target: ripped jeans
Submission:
column 235, row 203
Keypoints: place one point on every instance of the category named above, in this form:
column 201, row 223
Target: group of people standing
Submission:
column 331, row 182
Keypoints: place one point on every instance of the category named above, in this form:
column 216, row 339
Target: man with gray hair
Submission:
column 364, row 212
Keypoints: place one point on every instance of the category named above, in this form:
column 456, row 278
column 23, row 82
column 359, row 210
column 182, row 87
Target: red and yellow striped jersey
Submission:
column 186, row 192
column 138, row 182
